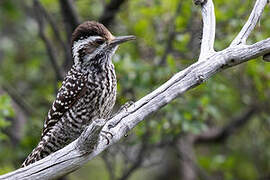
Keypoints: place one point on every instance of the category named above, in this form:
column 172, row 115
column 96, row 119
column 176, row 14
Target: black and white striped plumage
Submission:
column 88, row 90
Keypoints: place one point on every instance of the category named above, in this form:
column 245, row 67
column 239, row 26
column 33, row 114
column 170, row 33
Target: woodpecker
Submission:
column 88, row 91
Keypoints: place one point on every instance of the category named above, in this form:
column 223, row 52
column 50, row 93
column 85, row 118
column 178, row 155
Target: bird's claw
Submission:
column 111, row 125
column 125, row 106
column 105, row 135
column 122, row 108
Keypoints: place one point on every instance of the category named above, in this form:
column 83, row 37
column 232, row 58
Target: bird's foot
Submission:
column 199, row 2
column 107, row 135
column 122, row 108
column 125, row 106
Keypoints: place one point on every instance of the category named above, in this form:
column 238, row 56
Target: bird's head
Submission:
column 92, row 43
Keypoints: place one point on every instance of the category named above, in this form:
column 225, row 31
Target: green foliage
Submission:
column 6, row 111
column 25, row 65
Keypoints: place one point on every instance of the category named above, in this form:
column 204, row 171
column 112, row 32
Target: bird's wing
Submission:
column 73, row 87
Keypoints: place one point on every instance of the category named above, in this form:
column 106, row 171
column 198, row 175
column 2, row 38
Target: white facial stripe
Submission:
column 77, row 45
column 97, row 51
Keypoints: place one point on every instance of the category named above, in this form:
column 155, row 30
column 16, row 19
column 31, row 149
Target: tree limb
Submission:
column 18, row 121
column 110, row 165
column 71, row 158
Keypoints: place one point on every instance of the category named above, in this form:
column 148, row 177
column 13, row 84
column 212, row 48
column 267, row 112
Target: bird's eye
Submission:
column 99, row 41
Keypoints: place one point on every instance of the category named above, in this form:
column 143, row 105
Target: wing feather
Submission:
column 73, row 87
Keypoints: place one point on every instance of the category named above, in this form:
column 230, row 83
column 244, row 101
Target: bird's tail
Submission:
column 37, row 154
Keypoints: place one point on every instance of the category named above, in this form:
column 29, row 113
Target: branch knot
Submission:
column 90, row 136
column 200, row 78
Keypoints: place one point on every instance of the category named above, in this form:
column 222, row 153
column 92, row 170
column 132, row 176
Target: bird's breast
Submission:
column 98, row 100
column 101, row 92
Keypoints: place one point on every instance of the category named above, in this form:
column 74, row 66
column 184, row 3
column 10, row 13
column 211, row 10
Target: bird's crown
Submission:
column 91, row 28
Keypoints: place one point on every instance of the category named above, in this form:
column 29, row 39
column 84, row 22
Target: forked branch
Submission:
column 72, row 157
column 253, row 19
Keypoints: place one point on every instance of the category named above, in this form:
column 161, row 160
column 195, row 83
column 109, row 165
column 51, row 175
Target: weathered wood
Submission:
column 75, row 154
column 209, row 28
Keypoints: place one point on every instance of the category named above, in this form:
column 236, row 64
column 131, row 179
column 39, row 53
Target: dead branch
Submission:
column 72, row 157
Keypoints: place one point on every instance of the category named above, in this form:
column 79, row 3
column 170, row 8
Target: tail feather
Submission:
column 46, row 146
column 38, row 153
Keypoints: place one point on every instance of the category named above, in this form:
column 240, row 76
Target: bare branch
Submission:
column 70, row 158
column 209, row 27
column 58, row 160
column 251, row 23
column 77, row 153
column 110, row 11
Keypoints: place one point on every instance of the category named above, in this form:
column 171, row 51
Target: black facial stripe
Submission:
column 81, row 53
column 99, row 41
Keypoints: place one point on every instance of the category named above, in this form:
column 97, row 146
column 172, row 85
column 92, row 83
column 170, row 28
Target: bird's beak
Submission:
column 121, row 39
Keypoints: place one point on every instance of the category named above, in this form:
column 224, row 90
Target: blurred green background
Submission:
column 219, row 130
